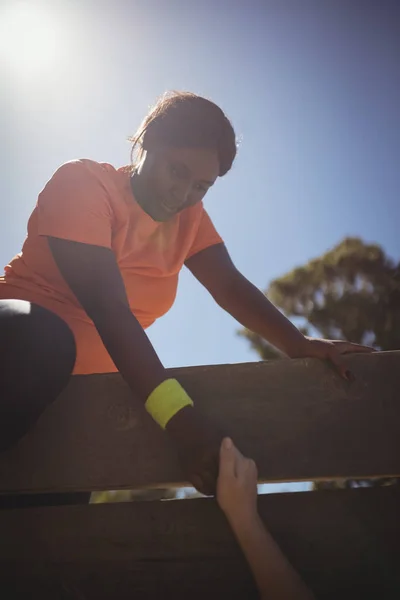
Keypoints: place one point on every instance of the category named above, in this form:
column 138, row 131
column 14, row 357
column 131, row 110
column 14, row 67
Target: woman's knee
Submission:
column 34, row 339
column 56, row 340
column 37, row 356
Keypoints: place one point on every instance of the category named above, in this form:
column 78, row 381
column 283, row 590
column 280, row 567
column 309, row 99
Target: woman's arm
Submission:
column 275, row 577
column 93, row 275
column 214, row 268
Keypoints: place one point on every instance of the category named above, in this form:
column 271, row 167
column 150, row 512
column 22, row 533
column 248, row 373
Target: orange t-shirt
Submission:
column 92, row 203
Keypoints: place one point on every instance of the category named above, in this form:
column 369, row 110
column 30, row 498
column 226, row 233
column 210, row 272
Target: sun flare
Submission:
column 29, row 38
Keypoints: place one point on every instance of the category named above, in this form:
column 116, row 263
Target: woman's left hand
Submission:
column 332, row 350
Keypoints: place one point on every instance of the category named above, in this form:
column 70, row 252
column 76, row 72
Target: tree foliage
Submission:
column 351, row 293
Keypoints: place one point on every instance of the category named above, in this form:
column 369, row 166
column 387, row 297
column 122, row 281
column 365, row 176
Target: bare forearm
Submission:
column 248, row 305
column 275, row 577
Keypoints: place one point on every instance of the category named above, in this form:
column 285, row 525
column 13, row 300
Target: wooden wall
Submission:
column 296, row 418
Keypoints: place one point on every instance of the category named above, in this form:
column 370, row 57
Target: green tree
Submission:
column 351, row 293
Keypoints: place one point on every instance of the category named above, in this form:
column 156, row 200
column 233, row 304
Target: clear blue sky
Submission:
column 312, row 88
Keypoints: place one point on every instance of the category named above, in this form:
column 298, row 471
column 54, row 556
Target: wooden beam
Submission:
column 346, row 544
column 296, row 418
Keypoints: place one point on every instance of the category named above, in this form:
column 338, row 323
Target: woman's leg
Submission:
column 37, row 356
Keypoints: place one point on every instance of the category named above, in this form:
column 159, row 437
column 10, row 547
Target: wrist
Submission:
column 179, row 425
column 243, row 521
column 299, row 348
column 166, row 401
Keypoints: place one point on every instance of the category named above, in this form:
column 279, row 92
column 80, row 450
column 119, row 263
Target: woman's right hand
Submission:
column 198, row 441
column 237, row 484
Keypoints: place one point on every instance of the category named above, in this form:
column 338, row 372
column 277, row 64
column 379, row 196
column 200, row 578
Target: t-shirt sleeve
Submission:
column 206, row 236
column 74, row 205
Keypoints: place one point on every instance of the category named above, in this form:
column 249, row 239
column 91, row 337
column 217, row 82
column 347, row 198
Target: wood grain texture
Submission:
column 296, row 418
column 346, row 544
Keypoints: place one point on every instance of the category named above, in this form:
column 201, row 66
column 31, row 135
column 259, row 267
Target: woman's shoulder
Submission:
column 88, row 174
column 88, row 166
column 86, row 180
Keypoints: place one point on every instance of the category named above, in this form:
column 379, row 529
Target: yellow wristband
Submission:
column 166, row 400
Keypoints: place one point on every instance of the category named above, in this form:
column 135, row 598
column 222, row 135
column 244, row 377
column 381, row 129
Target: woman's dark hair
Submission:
column 183, row 119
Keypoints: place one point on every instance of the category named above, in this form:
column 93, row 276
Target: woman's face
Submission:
column 169, row 180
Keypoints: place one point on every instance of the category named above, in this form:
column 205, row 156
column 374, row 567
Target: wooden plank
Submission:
column 296, row 418
column 346, row 544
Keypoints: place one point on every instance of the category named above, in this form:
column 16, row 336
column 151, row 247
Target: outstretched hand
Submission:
column 237, row 484
column 332, row 350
